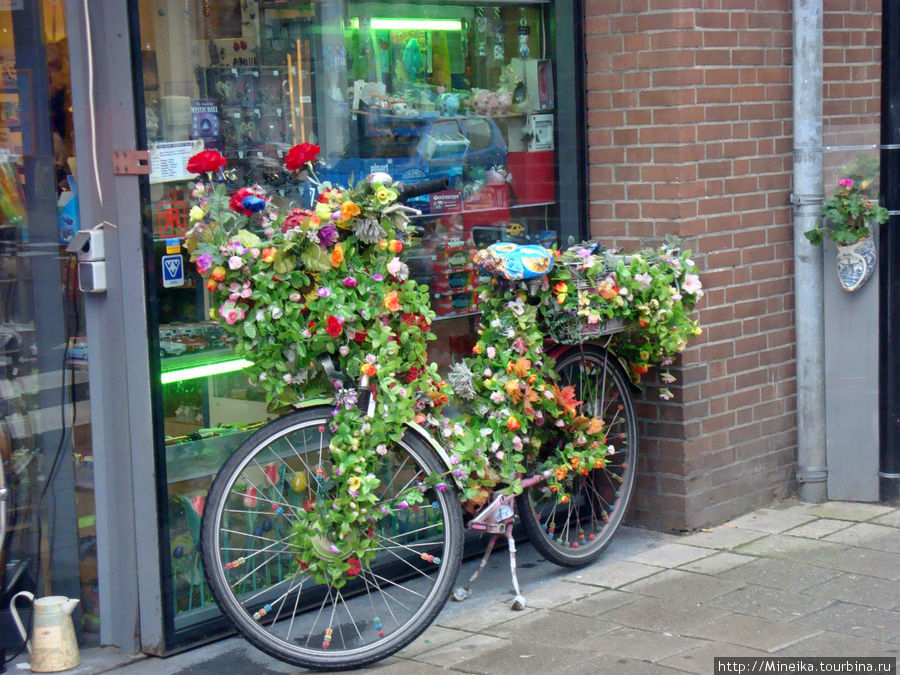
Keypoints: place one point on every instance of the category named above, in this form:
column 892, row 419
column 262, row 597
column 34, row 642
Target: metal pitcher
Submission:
column 52, row 645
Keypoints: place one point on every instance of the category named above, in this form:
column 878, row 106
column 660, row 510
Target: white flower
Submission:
column 260, row 315
column 286, row 377
column 344, row 350
column 277, row 313
column 485, row 431
column 398, row 269
column 235, row 262
column 692, row 285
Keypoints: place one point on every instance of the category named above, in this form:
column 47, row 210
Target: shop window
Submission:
column 449, row 89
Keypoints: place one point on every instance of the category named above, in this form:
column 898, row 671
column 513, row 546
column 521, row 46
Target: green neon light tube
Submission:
column 416, row 24
column 204, row 371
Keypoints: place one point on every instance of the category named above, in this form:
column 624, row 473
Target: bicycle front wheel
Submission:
column 576, row 533
column 253, row 567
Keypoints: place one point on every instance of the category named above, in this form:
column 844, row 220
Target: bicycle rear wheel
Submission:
column 576, row 533
column 250, row 563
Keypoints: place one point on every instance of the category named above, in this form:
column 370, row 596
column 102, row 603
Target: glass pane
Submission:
column 420, row 90
column 45, row 436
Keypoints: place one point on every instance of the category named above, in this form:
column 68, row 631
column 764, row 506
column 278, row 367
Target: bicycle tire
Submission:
column 575, row 534
column 371, row 623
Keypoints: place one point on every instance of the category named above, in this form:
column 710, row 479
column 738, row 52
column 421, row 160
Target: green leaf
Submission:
column 250, row 330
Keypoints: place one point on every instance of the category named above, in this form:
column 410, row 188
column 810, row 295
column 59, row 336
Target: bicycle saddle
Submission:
column 514, row 262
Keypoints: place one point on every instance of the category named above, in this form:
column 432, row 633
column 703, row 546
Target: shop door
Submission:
column 48, row 545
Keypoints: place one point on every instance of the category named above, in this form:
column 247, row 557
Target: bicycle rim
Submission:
column 252, row 567
column 575, row 534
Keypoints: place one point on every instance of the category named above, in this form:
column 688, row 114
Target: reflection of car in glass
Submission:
column 192, row 344
column 171, row 348
column 77, row 350
column 412, row 149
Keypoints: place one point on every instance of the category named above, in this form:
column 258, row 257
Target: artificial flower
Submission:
column 203, row 263
column 350, row 282
column 392, row 302
column 208, row 160
column 268, row 255
column 218, row 274
column 196, row 213
column 333, row 326
column 349, row 210
column 298, row 156
column 237, row 201
column 249, row 497
column 337, row 256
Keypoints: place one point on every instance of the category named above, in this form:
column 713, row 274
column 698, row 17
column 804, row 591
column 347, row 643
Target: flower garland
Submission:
column 509, row 386
column 291, row 284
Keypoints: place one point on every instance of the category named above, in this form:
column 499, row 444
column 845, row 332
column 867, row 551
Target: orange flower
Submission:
column 598, row 464
column 596, row 426
column 575, row 461
column 395, row 246
column 349, row 210
column 561, row 473
column 560, row 287
column 607, row 289
column 218, row 273
column 212, row 285
column 367, row 369
column 477, row 348
column 522, row 366
column 268, row 254
column 337, row 256
column 564, row 499
column 566, row 400
column 391, row 301
column 512, row 423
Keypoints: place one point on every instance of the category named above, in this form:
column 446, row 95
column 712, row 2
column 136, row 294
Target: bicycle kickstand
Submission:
column 460, row 593
column 518, row 600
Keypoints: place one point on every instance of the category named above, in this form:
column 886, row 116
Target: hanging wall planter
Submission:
column 855, row 263
column 849, row 216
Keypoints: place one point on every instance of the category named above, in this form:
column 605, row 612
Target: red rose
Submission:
column 412, row 374
column 299, row 155
column 208, row 160
column 360, row 336
column 238, row 197
column 333, row 326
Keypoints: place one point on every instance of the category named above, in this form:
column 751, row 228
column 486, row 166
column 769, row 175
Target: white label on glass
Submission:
column 168, row 161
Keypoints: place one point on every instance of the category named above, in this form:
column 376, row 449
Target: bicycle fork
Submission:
column 497, row 519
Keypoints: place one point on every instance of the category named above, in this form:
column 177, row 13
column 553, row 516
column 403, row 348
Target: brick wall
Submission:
column 689, row 106
column 689, row 133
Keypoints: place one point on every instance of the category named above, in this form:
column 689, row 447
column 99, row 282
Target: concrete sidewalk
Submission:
column 790, row 580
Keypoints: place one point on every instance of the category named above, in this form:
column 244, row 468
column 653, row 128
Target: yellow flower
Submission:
column 323, row 211
column 196, row 214
column 354, row 483
column 391, row 301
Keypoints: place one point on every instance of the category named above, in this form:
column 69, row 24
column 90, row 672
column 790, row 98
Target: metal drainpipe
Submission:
column 812, row 471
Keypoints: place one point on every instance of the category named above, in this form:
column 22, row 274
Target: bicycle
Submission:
column 329, row 556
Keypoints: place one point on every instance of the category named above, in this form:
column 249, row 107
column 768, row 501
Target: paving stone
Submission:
column 856, row 620
column 638, row 644
column 718, row 562
column 771, row 520
column 722, row 537
column 667, row 616
column 753, row 632
column 864, row 561
column 613, row 575
column 598, row 603
column 789, row 576
column 671, row 555
column 891, row 519
column 769, row 603
column 479, row 619
column 620, row 666
column 556, row 594
column 816, row 529
column 838, row 644
column 391, row 666
column 700, row 660
column 849, row 510
column 859, row 589
column 685, row 587
column 520, row 658
column 867, row 535
column 792, row 548
column 434, row 636
column 550, row 628
column 456, row 652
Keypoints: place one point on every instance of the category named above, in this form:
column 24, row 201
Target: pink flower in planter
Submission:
column 272, row 473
